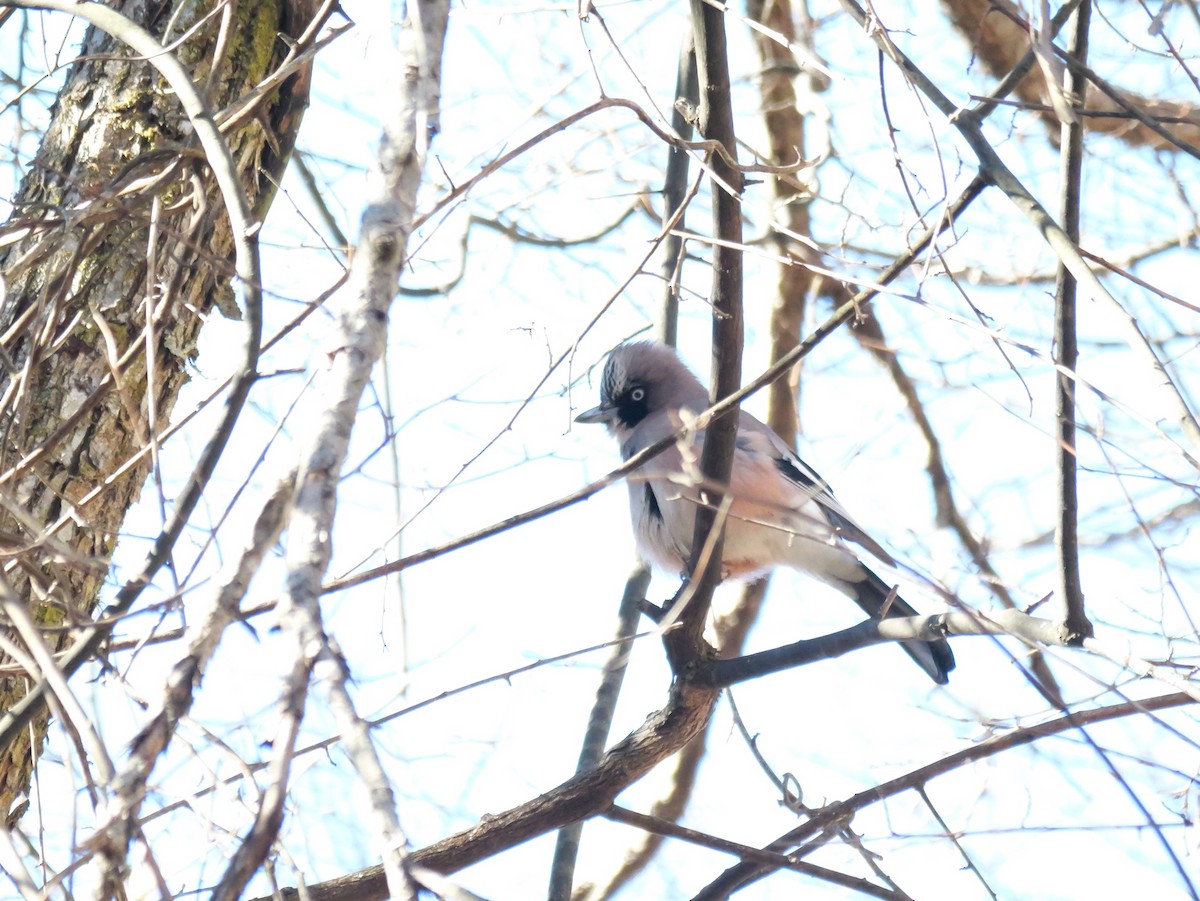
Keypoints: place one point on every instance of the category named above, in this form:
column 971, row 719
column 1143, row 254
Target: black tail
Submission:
column 935, row 657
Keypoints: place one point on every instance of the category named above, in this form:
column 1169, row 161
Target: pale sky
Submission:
column 460, row 364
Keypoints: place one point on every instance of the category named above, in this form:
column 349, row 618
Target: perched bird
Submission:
column 782, row 513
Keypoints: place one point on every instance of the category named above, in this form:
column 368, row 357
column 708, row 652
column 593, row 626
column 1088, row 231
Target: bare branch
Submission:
column 743, row 874
column 686, row 645
column 659, row 826
column 356, row 345
column 968, row 125
column 112, row 837
column 675, row 187
column 1067, row 348
column 662, row 734
column 1032, row 630
column 998, row 33
column 562, row 867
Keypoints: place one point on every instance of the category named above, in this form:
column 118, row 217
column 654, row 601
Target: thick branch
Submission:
column 664, row 732
column 719, row 673
column 686, row 644
column 1032, row 630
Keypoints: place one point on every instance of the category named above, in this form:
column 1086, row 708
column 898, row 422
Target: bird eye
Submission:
column 638, row 395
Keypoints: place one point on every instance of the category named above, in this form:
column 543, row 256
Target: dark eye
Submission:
column 637, row 395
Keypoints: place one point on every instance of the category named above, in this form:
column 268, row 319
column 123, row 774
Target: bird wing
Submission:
column 756, row 437
column 763, row 465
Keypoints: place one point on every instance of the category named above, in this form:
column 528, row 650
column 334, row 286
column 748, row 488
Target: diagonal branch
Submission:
column 1059, row 242
column 662, row 734
column 998, row 33
column 566, row 849
column 742, row 874
column 659, row 826
column 112, row 838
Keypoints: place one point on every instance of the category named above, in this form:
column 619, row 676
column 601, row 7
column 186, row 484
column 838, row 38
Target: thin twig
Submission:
column 952, row 835
column 1000, row 175
column 111, row 837
column 659, row 826
column 743, row 874
column 843, row 314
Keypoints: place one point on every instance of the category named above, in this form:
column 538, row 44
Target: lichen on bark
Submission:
column 118, row 150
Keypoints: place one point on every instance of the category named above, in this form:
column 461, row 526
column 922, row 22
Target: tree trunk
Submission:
column 117, row 214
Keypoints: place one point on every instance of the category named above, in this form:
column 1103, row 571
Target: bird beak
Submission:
column 597, row 414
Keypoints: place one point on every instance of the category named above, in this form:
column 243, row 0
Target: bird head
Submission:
column 640, row 379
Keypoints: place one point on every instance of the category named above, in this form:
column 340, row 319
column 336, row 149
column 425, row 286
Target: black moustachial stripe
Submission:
column 652, row 504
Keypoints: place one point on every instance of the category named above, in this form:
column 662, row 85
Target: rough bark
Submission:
column 117, row 214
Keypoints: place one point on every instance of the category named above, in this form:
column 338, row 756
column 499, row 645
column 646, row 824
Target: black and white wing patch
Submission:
column 798, row 472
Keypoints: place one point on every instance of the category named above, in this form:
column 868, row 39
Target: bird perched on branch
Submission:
column 781, row 512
